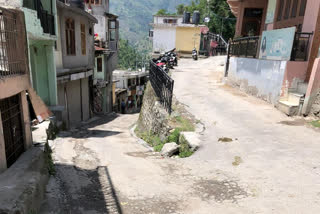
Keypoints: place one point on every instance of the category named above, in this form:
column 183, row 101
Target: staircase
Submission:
column 291, row 105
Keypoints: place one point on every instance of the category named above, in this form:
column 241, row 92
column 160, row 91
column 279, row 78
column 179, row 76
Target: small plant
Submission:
column 158, row 147
column 184, row 124
column 174, row 136
column 48, row 159
column 316, row 123
column 184, row 151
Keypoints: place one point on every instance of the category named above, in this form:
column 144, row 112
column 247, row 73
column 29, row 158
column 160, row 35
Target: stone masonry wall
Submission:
column 153, row 117
column 315, row 109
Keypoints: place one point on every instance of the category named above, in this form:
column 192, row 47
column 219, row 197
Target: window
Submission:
column 83, row 40
column 112, row 24
column 303, row 7
column 99, row 64
column 112, row 35
column 281, row 4
column 94, row 2
column 287, row 10
column 112, row 31
column 70, row 37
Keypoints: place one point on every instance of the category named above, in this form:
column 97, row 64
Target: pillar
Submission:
column 3, row 160
column 26, row 121
column 52, row 75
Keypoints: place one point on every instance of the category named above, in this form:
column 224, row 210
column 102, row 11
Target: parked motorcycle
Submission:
column 195, row 54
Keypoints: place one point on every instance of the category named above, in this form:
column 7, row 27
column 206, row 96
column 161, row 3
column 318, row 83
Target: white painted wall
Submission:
column 164, row 38
column 159, row 19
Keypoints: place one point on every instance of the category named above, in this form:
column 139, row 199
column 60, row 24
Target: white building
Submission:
column 164, row 32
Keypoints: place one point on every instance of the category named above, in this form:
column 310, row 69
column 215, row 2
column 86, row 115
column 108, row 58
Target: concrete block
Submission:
column 191, row 138
column 22, row 186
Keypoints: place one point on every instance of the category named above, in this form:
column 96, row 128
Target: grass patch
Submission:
column 174, row 136
column 184, row 151
column 158, row 147
column 316, row 123
column 184, row 124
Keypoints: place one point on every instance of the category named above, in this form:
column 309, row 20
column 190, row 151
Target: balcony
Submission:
column 12, row 44
column 47, row 20
column 248, row 47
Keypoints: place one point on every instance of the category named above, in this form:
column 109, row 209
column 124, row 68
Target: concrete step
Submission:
column 288, row 108
column 295, row 98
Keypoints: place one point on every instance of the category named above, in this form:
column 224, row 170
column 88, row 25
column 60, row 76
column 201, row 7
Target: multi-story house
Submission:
column 74, row 61
column 15, row 130
column 275, row 55
column 41, row 27
column 106, row 58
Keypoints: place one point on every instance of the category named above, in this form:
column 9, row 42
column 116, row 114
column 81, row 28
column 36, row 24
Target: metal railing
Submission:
column 163, row 85
column 12, row 43
column 47, row 20
column 300, row 50
column 245, row 47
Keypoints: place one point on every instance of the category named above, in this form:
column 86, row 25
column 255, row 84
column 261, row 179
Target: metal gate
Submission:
column 12, row 128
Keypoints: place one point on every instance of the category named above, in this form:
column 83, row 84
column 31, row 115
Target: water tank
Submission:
column 196, row 17
column 77, row 3
column 186, row 17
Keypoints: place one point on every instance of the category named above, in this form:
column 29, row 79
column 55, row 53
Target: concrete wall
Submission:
column 261, row 78
column 187, row 38
column 164, row 38
column 77, row 60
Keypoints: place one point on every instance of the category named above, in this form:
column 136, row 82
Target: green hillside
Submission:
column 136, row 15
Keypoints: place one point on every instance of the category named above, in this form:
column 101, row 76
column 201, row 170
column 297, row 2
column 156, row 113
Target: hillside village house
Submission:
column 74, row 61
column 170, row 32
column 275, row 53
column 15, row 130
column 106, row 54
column 131, row 82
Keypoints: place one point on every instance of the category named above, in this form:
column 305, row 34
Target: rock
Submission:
column 169, row 149
column 191, row 138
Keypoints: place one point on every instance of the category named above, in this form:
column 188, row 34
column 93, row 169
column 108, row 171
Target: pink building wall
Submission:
column 294, row 74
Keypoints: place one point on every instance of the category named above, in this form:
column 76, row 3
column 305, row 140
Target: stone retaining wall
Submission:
column 153, row 117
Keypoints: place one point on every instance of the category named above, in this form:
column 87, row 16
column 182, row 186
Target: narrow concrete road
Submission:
column 272, row 164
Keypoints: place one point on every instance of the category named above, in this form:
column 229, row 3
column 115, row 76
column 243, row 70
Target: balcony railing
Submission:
column 248, row 47
column 12, row 43
column 46, row 18
column 245, row 47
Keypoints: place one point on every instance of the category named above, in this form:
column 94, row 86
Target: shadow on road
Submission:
column 75, row 190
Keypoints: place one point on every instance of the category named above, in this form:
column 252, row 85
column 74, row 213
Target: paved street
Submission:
column 270, row 164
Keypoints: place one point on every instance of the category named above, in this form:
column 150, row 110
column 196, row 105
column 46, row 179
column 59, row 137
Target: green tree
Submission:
column 222, row 21
column 180, row 9
column 162, row 12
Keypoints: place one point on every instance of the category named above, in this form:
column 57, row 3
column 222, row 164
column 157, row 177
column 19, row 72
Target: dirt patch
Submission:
column 225, row 190
column 237, row 161
column 297, row 122
column 233, row 91
column 225, row 140
column 142, row 154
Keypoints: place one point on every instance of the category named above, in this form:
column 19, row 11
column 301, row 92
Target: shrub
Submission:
column 184, row 151
column 174, row 136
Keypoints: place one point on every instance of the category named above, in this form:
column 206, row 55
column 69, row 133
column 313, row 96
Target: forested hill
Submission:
column 136, row 15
